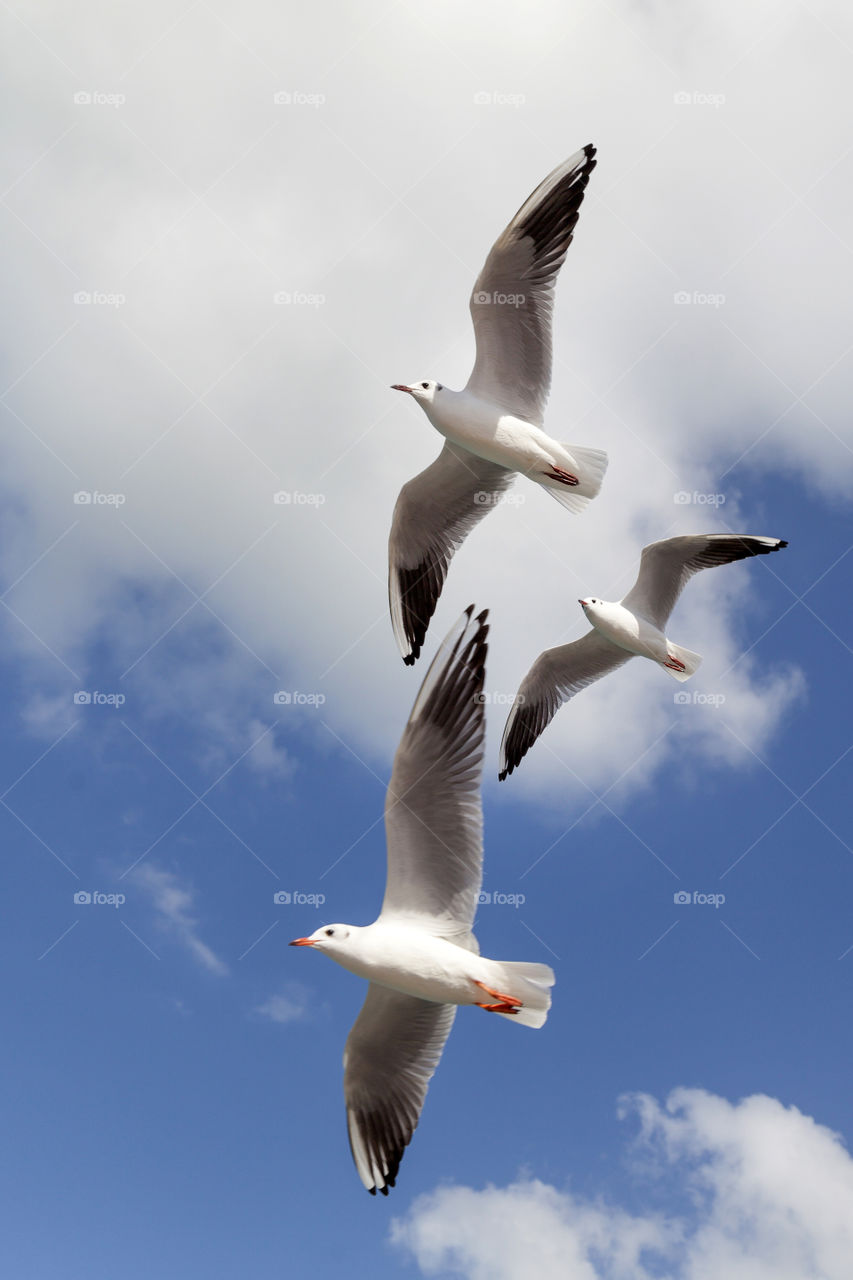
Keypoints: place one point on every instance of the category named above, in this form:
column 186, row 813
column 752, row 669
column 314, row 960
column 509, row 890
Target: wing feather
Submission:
column 434, row 513
column 391, row 1054
column 556, row 675
column 513, row 299
column 433, row 813
column 666, row 567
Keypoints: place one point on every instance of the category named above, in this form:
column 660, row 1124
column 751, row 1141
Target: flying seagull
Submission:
column 634, row 627
column 493, row 428
column 420, row 957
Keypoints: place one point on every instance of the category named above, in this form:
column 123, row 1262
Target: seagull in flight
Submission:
column 493, row 428
column 420, row 957
column 633, row 627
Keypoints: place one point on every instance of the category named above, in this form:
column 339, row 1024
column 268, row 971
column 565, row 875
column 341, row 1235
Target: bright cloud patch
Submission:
column 771, row 1193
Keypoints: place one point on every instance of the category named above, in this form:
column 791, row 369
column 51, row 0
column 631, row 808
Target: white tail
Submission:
column 530, row 984
column 691, row 660
column 589, row 465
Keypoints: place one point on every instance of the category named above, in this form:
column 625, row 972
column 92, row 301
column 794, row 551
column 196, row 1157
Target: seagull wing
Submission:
column 666, row 567
column 433, row 515
column 513, row 299
column 556, row 675
column 433, row 814
column 391, row 1053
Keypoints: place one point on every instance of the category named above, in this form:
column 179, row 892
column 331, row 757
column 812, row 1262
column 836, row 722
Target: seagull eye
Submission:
column 330, row 933
column 425, row 386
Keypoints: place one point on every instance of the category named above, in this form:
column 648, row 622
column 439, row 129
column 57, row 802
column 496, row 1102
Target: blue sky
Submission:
column 174, row 1081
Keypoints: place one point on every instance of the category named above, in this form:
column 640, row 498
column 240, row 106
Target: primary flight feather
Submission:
column 420, row 957
column 493, row 428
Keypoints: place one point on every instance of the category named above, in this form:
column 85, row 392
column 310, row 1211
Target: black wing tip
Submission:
column 753, row 544
column 503, row 773
column 411, row 658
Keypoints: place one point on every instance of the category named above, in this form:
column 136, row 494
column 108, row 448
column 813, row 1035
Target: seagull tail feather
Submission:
column 589, row 465
column 692, row 661
column 529, row 983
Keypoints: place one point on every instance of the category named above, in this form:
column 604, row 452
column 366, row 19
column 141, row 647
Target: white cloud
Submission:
column 770, row 1193
column 199, row 227
column 285, row 1006
column 173, row 904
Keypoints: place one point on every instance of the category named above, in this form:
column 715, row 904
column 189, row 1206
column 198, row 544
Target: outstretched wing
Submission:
column 666, row 567
column 556, row 675
column 513, row 299
column 391, row 1053
column 433, row 814
column 434, row 514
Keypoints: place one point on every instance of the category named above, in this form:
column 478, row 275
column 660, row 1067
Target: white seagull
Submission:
column 493, row 427
column 420, row 957
column 633, row 627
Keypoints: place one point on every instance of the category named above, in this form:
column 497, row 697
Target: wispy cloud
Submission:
column 173, row 903
column 286, row 1006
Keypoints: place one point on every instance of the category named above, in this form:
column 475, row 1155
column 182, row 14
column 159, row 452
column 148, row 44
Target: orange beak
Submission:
column 398, row 386
column 301, row 942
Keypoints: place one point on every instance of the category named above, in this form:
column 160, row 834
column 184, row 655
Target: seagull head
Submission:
column 591, row 605
column 425, row 392
column 331, row 938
